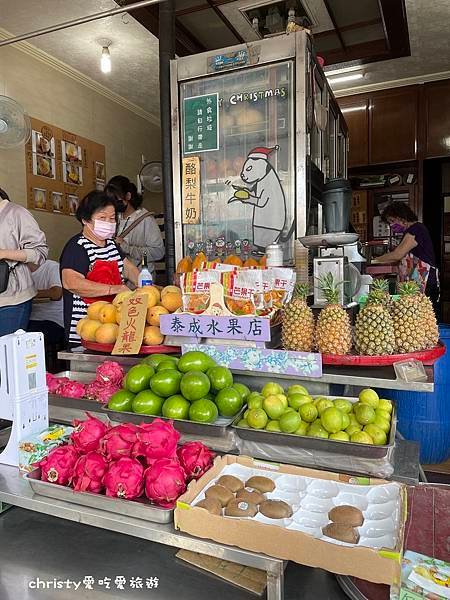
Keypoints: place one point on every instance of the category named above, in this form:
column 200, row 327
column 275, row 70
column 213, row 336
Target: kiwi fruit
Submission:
column 346, row 515
column 339, row 531
column 231, row 483
column 212, row 505
column 250, row 496
column 239, row 508
column 275, row 509
column 262, row 484
column 220, row 493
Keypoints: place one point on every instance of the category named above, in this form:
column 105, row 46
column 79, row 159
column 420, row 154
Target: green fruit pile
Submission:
column 295, row 411
column 192, row 387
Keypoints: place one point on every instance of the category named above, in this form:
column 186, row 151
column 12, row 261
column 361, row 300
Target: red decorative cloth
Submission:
column 104, row 271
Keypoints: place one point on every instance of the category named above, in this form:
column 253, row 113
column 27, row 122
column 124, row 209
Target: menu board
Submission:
column 62, row 168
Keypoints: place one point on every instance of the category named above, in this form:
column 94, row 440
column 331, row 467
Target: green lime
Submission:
column 296, row 400
column 297, row 389
column 243, row 423
column 340, row 436
column 343, row 405
column 308, row 412
column 273, row 426
column 176, row 407
column 272, row 389
column 331, row 419
column 138, row 378
column 302, row 429
column 369, row 397
column 165, row 365
column 361, row 437
column 154, row 359
column 364, row 414
column 166, row 383
column 220, row 378
column 203, row 411
column 147, row 403
column 195, row 385
column 274, row 406
column 195, row 360
column 121, row 401
column 378, row 435
column 242, row 389
column 290, row 422
column 257, row 418
column 229, row 402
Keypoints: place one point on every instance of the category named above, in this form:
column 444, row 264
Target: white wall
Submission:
column 50, row 96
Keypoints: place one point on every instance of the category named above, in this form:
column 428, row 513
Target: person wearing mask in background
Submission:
column 92, row 265
column 47, row 310
column 415, row 253
column 22, row 243
column 138, row 231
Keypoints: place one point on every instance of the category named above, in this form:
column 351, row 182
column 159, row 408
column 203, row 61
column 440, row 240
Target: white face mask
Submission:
column 104, row 230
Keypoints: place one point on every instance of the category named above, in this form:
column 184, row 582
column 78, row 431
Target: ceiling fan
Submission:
column 15, row 125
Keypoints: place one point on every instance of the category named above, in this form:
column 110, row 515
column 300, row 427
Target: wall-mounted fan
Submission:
column 150, row 176
column 15, row 126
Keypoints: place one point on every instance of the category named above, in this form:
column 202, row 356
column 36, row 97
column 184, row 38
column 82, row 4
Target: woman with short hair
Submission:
column 22, row 243
column 92, row 265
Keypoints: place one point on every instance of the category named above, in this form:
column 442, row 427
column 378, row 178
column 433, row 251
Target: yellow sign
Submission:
column 132, row 325
column 191, row 190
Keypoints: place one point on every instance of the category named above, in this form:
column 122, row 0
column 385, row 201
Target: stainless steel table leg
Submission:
column 275, row 582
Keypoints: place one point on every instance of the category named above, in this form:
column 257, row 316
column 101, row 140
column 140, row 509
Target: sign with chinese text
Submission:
column 201, row 124
column 203, row 326
column 190, row 192
column 241, row 358
column 132, row 325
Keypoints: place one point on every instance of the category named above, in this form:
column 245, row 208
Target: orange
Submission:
column 153, row 294
column 172, row 301
column 263, row 261
column 152, row 336
column 88, row 330
column 198, row 260
column 233, row 260
column 251, row 262
column 154, row 313
column 185, row 265
column 80, row 324
column 93, row 311
column 121, row 297
column 107, row 333
column 108, row 314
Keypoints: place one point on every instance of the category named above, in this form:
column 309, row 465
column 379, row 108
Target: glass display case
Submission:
column 246, row 122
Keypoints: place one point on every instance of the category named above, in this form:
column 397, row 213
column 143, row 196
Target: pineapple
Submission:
column 298, row 322
column 333, row 330
column 374, row 328
column 414, row 320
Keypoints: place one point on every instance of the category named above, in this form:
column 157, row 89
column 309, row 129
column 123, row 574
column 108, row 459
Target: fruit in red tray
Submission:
column 157, row 439
column 119, row 441
column 57, row 466
column 195, row 458
column 166, row 383
column 176, row 407
column 165, row 481
column 229, row 402
column 242, row 389
column 121, row 401
column 124, row 479
column 138, row 378
column 87, row 434
column 195, row 360
column 220, row 378
column 88, row 473
column 147, row 403
column 203, row 411
column 194, row 385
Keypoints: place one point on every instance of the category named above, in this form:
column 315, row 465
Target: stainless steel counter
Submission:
column 14, row 490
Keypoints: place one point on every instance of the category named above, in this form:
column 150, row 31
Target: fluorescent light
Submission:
column 344, row 78
column 105, row 62
column 353, row 108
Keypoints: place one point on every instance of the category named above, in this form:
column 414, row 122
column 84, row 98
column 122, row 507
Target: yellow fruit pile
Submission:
column 102, row 322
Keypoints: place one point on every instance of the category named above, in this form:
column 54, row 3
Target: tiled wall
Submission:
column 49, row 95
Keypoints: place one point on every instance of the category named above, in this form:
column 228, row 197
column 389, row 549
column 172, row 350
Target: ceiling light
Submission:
column 353, row 108
column 105, row 62
column 344, row 78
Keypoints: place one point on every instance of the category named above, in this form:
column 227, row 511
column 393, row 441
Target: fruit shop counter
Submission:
column 377, row 377
column 15, row 491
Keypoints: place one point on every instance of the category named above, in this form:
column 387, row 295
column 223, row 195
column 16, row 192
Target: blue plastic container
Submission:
column 425, row 417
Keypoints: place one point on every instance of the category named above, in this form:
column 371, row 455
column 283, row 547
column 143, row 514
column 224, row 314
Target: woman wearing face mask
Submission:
column 415, row 253
column 92, row 266
column 138, row 232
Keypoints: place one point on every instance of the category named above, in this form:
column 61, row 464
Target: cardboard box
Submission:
column 378, row 566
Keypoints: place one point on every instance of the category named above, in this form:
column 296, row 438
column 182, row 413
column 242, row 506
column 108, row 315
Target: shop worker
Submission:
column 93, row 267
column 22, row 243
column 47, row 310
column 138, row 231
column 415, row 253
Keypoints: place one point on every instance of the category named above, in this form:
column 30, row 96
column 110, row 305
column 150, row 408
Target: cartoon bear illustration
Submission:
column 264, row 191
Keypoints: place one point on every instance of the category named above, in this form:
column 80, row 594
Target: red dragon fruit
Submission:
column 125, row 479
column 52, row 383
column 71, row 389
column 157, row 439
column 57, row 466
column 88, row 473
column 119, row 441
column 110, row 372
column 101, row 391
column 87, row 434
column 165, row 481
column 195, row 458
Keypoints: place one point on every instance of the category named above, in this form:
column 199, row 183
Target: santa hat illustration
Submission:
column 262, row 152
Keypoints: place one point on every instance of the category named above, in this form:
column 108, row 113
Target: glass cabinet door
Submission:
column 247, row 186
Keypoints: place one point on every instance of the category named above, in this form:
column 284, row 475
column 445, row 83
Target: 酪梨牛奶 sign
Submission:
column 190, row 192
column 201, row 124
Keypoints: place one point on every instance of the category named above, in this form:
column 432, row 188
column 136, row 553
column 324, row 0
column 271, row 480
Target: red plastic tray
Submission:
column 427, row 357
column 107, row 348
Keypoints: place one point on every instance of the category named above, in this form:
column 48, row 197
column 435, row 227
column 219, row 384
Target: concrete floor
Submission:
column 34, row 545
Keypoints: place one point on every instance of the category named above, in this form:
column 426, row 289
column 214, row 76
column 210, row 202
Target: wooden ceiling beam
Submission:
column 335, row 25
column 364, row 53
column 351, row 27
column 395, row 25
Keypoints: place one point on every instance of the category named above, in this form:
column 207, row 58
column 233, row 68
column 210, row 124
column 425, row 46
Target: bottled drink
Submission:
column 145, row 277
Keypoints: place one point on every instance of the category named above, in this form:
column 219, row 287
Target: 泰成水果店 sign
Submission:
column 228, row 327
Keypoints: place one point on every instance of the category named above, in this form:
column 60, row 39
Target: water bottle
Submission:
column 145, row 277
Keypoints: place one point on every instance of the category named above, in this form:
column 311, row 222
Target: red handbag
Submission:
column 107, row 272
